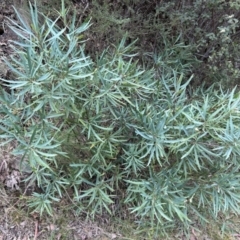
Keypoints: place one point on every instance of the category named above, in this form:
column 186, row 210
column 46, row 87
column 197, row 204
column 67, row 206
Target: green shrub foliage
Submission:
column 208, row 29
column 114, row 135
column 208, row 32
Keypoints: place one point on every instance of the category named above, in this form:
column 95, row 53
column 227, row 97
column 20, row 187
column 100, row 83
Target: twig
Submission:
column 36, row 230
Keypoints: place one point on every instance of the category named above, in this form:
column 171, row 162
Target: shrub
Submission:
column 116, row 136
column 211, row 28
column 207, row 30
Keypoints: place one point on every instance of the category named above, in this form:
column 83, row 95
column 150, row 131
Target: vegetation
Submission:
column 120, row 131
column 203, row 33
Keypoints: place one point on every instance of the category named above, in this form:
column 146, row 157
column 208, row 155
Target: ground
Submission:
column 17, row 223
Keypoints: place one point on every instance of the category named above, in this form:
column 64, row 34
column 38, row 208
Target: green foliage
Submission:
column 208, row 30
column 115, row 135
